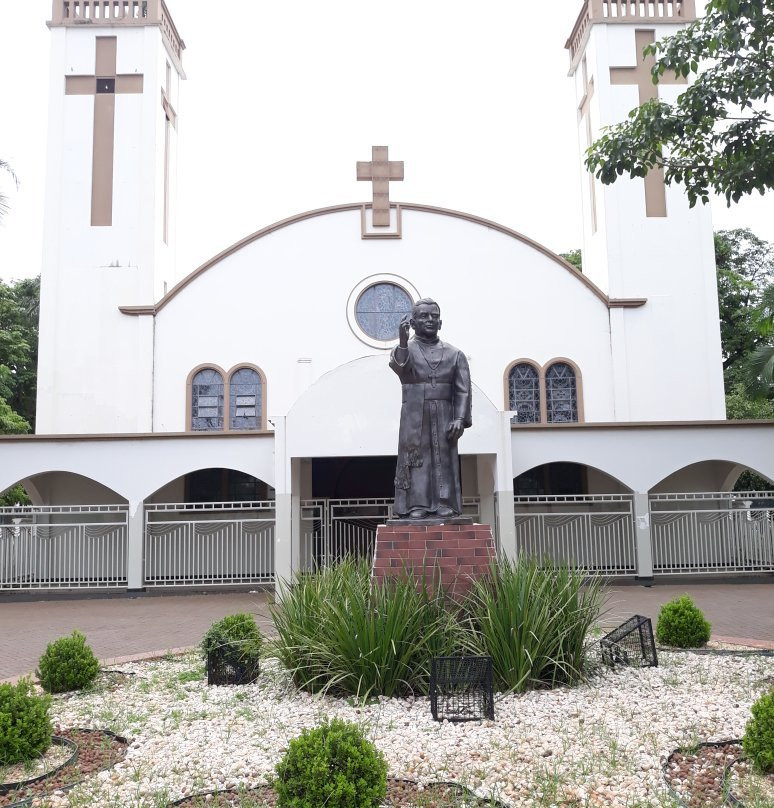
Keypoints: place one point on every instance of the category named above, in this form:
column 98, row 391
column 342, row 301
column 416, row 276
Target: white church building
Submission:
column 183, row 441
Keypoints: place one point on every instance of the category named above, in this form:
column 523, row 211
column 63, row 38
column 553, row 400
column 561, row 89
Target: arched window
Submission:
column 524, row 393
column 245, row 400
column 561, row 393
column 207, row 401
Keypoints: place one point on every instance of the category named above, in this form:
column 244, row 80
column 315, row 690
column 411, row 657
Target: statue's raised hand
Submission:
column 403, row 331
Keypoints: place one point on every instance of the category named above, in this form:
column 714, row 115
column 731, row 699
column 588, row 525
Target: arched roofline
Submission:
column 155, row 308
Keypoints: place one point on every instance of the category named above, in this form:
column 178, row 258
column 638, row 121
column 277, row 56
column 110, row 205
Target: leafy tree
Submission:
column 745, row 269
column 718, row 136
column 19, row 310
column 575, row 258
column 758, row 367
column 3, row 198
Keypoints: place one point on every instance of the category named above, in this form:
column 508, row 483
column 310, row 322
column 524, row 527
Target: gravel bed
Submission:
column 600, row 744
column 54, row 756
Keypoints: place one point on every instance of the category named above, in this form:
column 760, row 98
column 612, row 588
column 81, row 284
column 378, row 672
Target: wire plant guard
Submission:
column 461, row 688
column 225, row 667
column 630, row 644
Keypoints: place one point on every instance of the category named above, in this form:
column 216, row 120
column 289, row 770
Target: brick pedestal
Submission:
column 458, row 553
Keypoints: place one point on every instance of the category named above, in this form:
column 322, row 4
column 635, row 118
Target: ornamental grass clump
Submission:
column 340, row 632
column 67, row 664
column 331, row 766
column 758, row 738
column 532, row 618
column 236, row 637
column 25, row 726
column 681, row 624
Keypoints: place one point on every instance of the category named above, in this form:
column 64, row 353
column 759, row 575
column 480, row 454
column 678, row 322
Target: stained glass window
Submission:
column 245, row 399
column 524, row 393
column 207, row 401
column 561, row 393
column 380, row 308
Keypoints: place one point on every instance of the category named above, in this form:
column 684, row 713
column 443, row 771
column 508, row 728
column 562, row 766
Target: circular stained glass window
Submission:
column 380, row 308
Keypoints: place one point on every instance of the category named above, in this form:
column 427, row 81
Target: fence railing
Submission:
column 594, row 533
column 333, row 529
column 190, row 544
column 67, row 547
column 712, row 533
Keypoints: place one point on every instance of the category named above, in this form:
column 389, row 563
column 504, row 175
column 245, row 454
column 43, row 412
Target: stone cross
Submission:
column 380, row 171
column 103, row 85
column 584, row 111
column 170, row 123
column 655, row 192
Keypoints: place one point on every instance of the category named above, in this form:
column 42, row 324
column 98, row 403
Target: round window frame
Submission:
column 354, row 296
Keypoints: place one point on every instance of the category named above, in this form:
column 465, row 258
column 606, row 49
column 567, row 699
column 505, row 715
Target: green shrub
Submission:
column 758, row 738
column 681, row 624
column 532, row 619
column 237, row 636
column 25, row 726
column 67, row 664
column 334, row 766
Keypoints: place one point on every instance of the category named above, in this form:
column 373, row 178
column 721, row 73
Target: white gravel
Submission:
column 599, row 744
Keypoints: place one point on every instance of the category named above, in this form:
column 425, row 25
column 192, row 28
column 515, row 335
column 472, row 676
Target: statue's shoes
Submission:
column 417, row 513
column 445, row 511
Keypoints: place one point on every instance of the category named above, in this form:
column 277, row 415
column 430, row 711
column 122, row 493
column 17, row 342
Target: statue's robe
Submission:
column 436, row 391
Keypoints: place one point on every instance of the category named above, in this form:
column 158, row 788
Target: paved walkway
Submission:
column 122, row 626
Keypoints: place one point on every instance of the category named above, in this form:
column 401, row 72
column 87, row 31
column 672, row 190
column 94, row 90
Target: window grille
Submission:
column 207, row 401
column 561, row 393
column 524, row 393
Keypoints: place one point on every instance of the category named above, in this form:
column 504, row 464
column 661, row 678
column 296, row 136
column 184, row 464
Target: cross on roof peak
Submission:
column 380, row 171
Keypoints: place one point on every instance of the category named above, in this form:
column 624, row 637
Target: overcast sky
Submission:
column 283, row 98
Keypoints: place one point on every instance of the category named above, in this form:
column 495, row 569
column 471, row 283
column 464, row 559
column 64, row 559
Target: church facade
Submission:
column 183, row 441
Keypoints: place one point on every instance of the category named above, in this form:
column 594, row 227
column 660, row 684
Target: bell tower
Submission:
column 109, row 228
column 640, row 238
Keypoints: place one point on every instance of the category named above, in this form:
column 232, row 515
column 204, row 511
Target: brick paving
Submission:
column 123, row 626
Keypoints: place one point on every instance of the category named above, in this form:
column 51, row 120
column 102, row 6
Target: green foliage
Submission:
column 15, row 495
column 575, row 258
column 718, row 136
column 339, row 633
column 237, row 636
column 67, row 664
column 332, row 765
column 3, row 198
column 19, row 310
column 25, row 726
column 532, row 620
column 681, row 624
column 758, row 738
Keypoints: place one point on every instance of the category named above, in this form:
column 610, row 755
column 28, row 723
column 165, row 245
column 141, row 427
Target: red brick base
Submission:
column 458, row 553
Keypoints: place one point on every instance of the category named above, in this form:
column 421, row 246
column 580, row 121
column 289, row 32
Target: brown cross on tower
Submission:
column 584, row 111
column 655, row 193
column 103, row 85
column 380, row 171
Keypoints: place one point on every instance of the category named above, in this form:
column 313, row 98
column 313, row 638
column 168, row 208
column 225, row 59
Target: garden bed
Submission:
column 97, row 750
column 601, row 743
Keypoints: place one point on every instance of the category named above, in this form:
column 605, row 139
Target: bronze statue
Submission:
column 436, row 410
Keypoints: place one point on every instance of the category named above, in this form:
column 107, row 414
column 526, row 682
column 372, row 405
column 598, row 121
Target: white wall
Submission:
column 667, row 355
column 95, row 366
column 283, row 297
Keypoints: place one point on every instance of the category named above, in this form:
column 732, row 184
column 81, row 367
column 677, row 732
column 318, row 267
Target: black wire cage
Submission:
column 226, row 667
column 630, row 644
column 461, row 688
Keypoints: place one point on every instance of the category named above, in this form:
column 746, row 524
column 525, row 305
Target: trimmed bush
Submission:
column 67, row 664
column 758, row 738
column 532, row 618
column 332, row 765
column 236, row 636
column 25, row 726
column 681, row 624
column 341, row 633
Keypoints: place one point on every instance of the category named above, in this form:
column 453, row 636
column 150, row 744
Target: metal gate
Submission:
column 334, row 529
column 593, row 532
